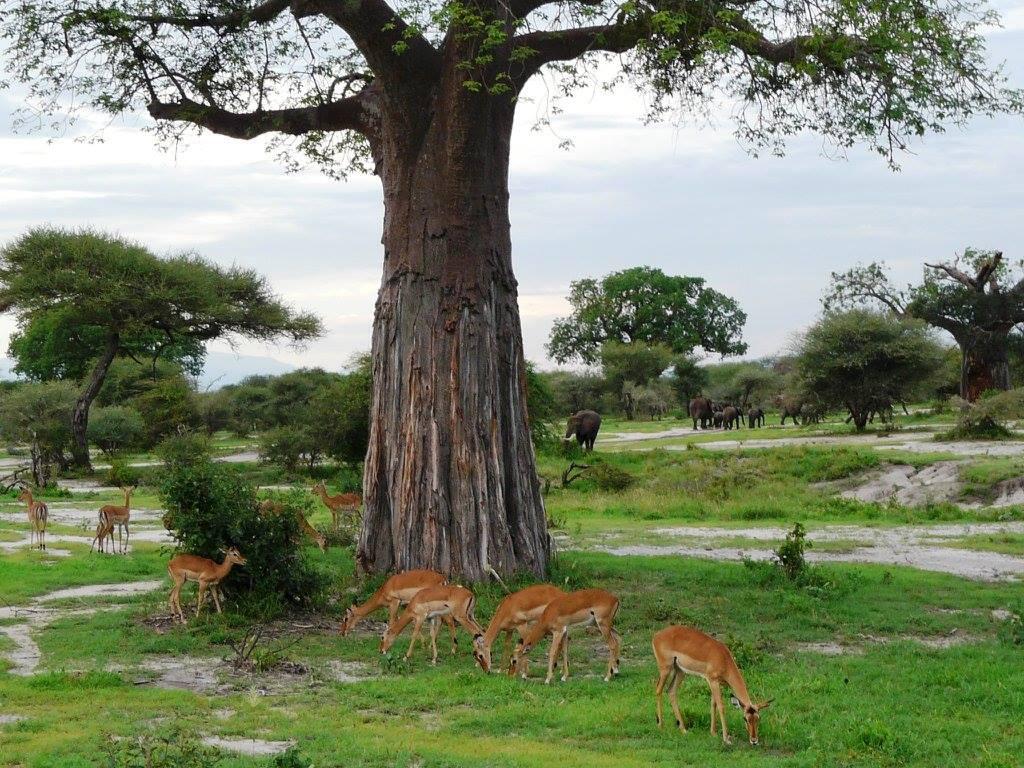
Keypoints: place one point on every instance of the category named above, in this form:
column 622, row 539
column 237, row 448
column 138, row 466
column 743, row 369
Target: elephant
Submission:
column 732, row 417
column 718, row 417
column 790, row 410
column 584, row 425
column 755, row 418
column 701, row 410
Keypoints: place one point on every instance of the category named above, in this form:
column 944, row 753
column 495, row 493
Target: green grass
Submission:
column 1004, row 543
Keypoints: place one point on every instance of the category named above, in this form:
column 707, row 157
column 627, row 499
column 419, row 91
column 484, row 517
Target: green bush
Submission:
column 184, row 448
column 121, row 474
column 175, row 748
column 608, row 477
column 987, row 418
column 790, row 556
column 289, row 447
column 116, row 429
column 209, row 508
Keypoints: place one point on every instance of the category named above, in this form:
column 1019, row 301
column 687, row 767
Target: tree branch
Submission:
column 345, row 114
column 957, row 275
column 258, row 14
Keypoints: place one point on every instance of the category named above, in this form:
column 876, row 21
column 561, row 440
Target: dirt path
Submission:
column 29, row 619
column 915, row 546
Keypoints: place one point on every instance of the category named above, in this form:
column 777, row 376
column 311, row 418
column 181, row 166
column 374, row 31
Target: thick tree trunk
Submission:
column 985, row 365
column 80, row 414
column 450, row 481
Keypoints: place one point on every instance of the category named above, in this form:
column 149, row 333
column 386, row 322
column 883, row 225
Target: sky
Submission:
column 687, row 199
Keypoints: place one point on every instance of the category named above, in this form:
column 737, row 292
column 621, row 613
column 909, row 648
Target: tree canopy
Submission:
column 643, row 304
column 978, row 298
column 867, row 362
column 118, row 297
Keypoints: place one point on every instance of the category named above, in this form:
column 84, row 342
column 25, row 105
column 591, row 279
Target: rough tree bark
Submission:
column 450, row 480
column 985, row 364
column 80, row 415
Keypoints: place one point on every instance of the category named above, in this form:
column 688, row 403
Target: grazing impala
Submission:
column 269, row 506
column 577, row 609
column 515, row 614
column 111, row 515
column 397, row 591
column 435, row 603
column 204, row 571
column 680, row 650
column 343, row 502
column 38, row 514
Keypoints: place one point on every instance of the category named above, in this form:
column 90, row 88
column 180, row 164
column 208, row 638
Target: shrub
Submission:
column 288, row 447
column 608, row 477
column 790, row 556
column 185, row 448
column 116, row 429
column 210, row 508
column 121, row 474
column 987, row 418
column 176, row 748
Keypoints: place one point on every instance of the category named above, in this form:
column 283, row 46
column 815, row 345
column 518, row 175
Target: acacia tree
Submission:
column 644, row 305
column 119, row 293
column 424, row 92
column 978, row 299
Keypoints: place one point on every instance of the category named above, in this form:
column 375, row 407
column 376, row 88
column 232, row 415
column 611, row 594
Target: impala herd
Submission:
column 532, row 613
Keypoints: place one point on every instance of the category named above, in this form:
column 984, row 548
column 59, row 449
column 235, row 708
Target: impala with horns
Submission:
column 433, row 604
column 682, row 650
column 584, row 608
column 515, row 614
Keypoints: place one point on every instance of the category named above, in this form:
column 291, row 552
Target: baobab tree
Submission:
column 424, row 93
column 978, row 298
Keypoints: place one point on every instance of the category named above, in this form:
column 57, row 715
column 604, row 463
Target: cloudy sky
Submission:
column 689, row 200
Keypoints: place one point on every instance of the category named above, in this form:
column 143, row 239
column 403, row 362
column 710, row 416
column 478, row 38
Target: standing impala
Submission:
column 269, row 506
column 583, row 608
column 204, row 571
column 515, row 614
column 111, row 515
column 38, row 514
column 680, row 650
column 343, row 502
column 397, row 591
column 433, row 604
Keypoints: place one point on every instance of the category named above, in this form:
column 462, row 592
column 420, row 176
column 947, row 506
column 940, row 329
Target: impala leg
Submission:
column 557, row 637
column 415, row 634
column 215, row 591
column 565, row 657
column 393, row 607
column 435, row 627
column 659, row 686
column 716, row 699
column 673, row 697
column 611, row 637
column 201, row 598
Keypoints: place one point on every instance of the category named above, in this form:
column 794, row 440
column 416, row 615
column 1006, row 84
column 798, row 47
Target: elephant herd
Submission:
column 709, row 414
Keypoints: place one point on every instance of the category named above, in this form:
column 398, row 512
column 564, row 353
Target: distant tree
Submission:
column 340, row 412
column 639, row 363
column 214, row 410
column 575, row 391
column 541, row 408
column 38, row 415
column 290, row 446
column 644, row 305
column 126, row 379
column 124, row 293
column 689, row 378
column 754, row 382
column 167, row 406
column 116, row 428
column 867, row 361
column 250, row 405
column 978, row 298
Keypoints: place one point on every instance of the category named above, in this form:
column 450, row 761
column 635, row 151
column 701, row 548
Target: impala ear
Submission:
column 765, row 704
column 735, row 702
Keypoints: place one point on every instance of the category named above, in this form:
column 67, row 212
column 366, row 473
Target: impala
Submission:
column 111, row 515
column 38, row 514
column 277, row 508
column 348, row 502
column 434, row 603
column 577, row 609
column 515, row 614
column 397, row 591
column 204, row 571
column 681, row 650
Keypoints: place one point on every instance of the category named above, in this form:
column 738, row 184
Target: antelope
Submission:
column 349, row 502
column 204, row 571
column 111, row 515
column 397, row 591
column 276, row 507
column 38, row 514
column 516, row 613
column 685, row 650
column 434, row 603
column 575, row 609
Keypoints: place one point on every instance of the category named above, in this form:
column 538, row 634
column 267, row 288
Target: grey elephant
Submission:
column 701, row 410
column 732, row 417
column 755, row 418
column 584, row 426
column 718, row 417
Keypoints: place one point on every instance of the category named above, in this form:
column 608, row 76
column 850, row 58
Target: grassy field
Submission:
column 869, row 665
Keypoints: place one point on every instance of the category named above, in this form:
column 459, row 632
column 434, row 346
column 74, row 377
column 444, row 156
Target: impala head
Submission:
column 234, row 556
column 751, row 716
column 347, row 621
column 128, row 490
column 482, row 653
column 386, row 641
column 320, row 486
column 321, row 541
column 24, row 494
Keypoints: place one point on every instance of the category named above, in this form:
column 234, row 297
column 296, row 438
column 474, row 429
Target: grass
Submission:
column 1003, row 543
